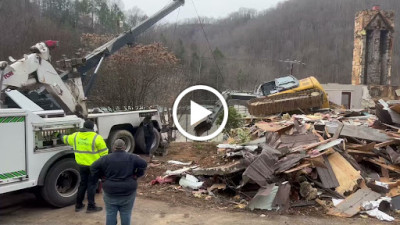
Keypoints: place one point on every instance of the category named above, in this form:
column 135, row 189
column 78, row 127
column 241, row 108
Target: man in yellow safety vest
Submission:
column 88, row 147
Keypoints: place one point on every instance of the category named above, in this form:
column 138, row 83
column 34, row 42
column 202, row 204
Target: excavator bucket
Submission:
column 287, row 102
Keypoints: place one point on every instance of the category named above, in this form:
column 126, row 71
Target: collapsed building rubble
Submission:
column 345, row 162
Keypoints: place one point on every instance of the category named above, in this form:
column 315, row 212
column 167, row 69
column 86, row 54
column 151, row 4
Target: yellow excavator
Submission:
column 284, row 94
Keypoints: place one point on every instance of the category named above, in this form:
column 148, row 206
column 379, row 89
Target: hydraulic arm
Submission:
column 35, row 68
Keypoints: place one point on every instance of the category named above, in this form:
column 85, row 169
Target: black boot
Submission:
column 93, row 208
column 79, row 207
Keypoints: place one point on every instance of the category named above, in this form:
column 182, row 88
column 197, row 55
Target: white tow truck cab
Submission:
column 31, row 157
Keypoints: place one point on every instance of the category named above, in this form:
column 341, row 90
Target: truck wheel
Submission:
column 124, row 135
column 154, row 145
column 156, row 141
column 61, row 183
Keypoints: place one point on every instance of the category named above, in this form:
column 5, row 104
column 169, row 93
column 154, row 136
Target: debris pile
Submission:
column 347, row 162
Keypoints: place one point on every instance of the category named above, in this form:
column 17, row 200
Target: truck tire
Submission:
column 156, row 141
column 154, row 145
column 61, row 183
column 124, row 135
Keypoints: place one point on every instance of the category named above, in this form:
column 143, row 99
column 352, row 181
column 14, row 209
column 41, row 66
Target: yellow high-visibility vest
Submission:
column 88, row 146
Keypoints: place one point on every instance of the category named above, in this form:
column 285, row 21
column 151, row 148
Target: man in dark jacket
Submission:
column 121, row 170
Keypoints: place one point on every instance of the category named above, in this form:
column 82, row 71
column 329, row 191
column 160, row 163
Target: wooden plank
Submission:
column 361, row 132
column 352, row 204
column 389, row 167
column 386, row 143
column 310, row 146
column 345, row 173
column 395, row 108
column 366, row 148
column 271, row 126
column 338, row 131
column 300, row 167
column 351, row 151
column 385, row 173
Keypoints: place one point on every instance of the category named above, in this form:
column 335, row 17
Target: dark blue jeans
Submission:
column 123, row 204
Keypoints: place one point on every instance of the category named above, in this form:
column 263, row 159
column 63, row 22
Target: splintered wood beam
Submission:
column 300, row 167
column 386, row 143
column 351, row 151
column 381, row 164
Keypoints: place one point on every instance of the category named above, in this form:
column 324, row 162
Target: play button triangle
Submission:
column 197, row 113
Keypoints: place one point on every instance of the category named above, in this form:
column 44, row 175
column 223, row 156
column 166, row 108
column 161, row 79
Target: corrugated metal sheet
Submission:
column 288, row 162
column 283, row 141
column 264, row 198
column 262, row 168
column 282, row 200
column 327, row 175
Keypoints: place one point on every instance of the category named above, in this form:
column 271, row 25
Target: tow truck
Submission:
column 31, row 158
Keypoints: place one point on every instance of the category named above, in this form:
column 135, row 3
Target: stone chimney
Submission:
column 373, row 47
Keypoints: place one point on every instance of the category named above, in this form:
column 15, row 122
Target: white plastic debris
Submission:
column 190, row 182
column 379, row 215
column 336, row 201
column 179, row 163
column 238, row 147
column 375, row 204
column 373, row 211
column 180, row 171
column 382, row 184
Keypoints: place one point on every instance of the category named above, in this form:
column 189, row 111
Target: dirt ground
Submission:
column 166, row 203
column 204, row 154
column 24, row 209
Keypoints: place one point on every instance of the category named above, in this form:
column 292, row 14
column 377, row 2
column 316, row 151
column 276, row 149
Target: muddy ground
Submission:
column 169, row 204
column 24, row 209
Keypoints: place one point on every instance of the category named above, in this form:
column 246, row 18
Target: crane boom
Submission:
column 126, row 38
column 35, row 68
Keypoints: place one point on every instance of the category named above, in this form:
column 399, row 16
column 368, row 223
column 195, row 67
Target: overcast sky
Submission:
column 205, row 8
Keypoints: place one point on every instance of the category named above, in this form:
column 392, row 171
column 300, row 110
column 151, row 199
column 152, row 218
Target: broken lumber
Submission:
column 381, row 164
column 352, row 204
column 345, row 173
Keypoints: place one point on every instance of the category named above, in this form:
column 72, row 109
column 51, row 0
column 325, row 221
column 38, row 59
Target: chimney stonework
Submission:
column 373, row 47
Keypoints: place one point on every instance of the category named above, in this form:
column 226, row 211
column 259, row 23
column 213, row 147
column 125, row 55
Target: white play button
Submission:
column 197, row 113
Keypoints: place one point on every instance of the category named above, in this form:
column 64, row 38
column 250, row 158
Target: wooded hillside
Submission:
column 316, row 32
column 244, row 49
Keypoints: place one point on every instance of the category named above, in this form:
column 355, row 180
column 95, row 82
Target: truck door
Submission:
column 12, row 149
